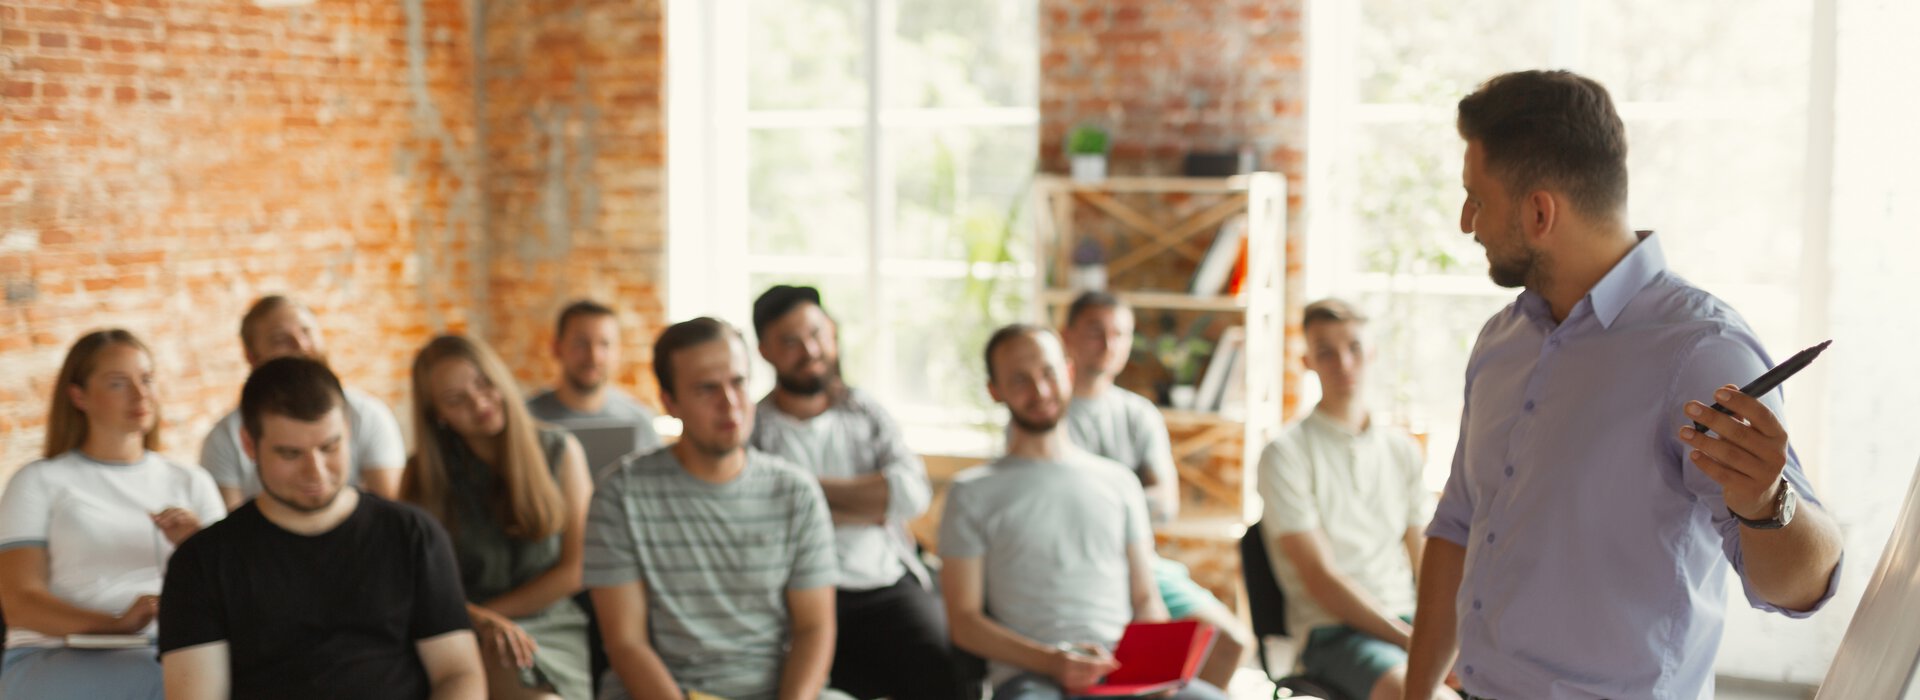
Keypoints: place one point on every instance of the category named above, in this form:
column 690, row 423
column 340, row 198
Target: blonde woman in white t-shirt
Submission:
column 85, row 532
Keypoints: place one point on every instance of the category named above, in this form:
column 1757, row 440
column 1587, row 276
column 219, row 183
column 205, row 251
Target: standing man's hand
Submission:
column 1748, row 455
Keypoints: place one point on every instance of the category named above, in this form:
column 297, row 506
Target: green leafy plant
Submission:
column 1087, row 140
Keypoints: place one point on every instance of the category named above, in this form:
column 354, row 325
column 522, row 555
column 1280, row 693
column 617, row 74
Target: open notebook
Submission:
column 1155, row 657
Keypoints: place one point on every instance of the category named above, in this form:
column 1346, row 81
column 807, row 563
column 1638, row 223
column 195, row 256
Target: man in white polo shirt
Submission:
column 1345, row 506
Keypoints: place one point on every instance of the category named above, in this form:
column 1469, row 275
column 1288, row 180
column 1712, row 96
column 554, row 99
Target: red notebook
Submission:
column 1155, row 657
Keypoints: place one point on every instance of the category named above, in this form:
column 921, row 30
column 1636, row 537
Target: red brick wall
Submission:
column 575, row 150
column 167, row 161
column 1165, row 77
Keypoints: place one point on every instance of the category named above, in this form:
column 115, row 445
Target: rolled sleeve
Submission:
column 1730, row 355
column 909, row 493
column 1454, row 513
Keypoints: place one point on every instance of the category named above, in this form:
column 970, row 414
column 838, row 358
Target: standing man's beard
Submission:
column 584, row 387
column 809, row 386
column 1035, row 426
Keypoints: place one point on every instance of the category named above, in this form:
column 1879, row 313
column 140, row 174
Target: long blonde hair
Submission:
column 522, row 495
column 66, row 423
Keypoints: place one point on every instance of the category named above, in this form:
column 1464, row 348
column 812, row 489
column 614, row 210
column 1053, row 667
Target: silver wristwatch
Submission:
column 1783, row 507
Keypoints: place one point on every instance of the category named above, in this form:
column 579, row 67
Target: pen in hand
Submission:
column 1773, row 377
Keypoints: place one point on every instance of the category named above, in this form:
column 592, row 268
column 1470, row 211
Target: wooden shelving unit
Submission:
column 1155, row 232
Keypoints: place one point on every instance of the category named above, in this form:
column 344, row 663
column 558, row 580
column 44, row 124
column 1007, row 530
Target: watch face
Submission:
column 1789, row 501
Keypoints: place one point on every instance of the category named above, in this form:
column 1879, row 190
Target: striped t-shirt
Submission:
column 717, row 561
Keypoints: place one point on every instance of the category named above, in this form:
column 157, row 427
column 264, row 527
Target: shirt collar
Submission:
column 1621, row 284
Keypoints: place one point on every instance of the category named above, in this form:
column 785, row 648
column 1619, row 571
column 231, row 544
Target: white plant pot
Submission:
column 1089, row 167
column 1092, row 278
column 1181, row 396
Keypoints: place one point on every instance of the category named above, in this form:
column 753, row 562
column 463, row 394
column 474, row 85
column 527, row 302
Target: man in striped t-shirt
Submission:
column 711, row 566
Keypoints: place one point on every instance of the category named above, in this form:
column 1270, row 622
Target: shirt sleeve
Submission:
column 960, row 533
column 25, row 509
column 1731, row 355
column 1453, row 515
column 1156, row 447
column 203, row 497
column 376, row 438
column 439, row 601
column 1139, row 521
column 190, row 609
column 220, row 455
column 1286, row 490
column 611, row 554
column 814, row 564
column 1419, row 501
column 908, row 491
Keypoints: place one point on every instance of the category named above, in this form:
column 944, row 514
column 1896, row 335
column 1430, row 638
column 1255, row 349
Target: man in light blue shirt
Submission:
column 1582, row 544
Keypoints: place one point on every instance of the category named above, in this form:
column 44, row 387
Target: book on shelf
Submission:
column 1226, row 353
column 1216, row 268
column 1233, row 399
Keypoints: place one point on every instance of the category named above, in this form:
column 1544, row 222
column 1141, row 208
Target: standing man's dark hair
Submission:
column 1088, row 301
column 686, row 334
column 1008, row 333
column 1551, row 128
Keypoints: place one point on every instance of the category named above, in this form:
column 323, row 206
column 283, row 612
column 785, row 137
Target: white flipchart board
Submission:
column 1880, row 656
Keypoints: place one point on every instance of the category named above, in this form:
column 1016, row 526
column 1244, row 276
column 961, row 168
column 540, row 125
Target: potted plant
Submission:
column 1087, row 150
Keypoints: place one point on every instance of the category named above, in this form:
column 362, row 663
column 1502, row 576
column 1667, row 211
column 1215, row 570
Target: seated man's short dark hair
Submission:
column 1007, row 333
column 583, row 307
column 1330, row 310
column 1088, row 301
column 776, row 302
column 682, row 335
column 295, row 387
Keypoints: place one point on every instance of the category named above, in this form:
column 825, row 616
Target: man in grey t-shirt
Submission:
column 1127, row 428
column 1047, row 551
column 892, row 639
column 710, row 565
column 274, row 327
column 586, row 343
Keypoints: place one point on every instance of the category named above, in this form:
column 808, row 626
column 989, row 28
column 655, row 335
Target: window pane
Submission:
column 806, row 54
column 1425, row 52
column 806, row 192
column 965, row 53
column 1653, row 50
column 939, row 328
column 1728, row 197
column 1418, row 376
column 1407, row 202
column 957, row 188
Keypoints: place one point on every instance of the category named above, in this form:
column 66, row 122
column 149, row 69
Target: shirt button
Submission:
column 1509, row 470
column 1553, row 343
column 1476, row 604
column 1489, row 538
column 1528, row 406
column 1469, row 670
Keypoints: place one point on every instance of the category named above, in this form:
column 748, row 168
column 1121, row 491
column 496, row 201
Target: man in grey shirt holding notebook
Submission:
column 892, row 638
column 711, row 565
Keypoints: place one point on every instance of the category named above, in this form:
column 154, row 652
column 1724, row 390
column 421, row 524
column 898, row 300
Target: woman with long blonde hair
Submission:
column 85, row 532
column 513, row 494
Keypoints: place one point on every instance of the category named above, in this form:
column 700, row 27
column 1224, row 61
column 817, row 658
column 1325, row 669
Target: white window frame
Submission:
column 708, row 122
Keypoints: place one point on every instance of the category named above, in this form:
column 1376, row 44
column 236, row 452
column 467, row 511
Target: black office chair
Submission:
column 1267, row 605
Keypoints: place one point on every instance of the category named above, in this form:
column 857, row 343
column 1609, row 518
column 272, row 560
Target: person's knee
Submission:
column 1391, row 685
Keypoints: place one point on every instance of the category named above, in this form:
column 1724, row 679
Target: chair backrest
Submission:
column 1266, row 602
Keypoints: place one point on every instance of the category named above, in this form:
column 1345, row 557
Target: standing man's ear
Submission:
column 1540, row 212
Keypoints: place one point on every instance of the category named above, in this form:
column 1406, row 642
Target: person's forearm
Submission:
column 539, row 592
column 858, row 499
column 1337, row 594
column 992, row 641
column 809, row 659
column 1163, row 501
column 42, row 611
column 641, row 671
column 1436, row 628
column 1791, row 567
column 466, row 684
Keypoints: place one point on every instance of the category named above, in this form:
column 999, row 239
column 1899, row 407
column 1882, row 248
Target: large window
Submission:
column 1716, row 100
column 880, row 150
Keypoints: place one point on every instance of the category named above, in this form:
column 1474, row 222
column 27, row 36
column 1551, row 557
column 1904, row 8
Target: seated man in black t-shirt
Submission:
column 314, row 589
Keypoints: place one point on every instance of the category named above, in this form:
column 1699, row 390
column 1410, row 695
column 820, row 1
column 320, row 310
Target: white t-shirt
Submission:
column 373, row 431
column 94, row 520
column 1361, row 491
